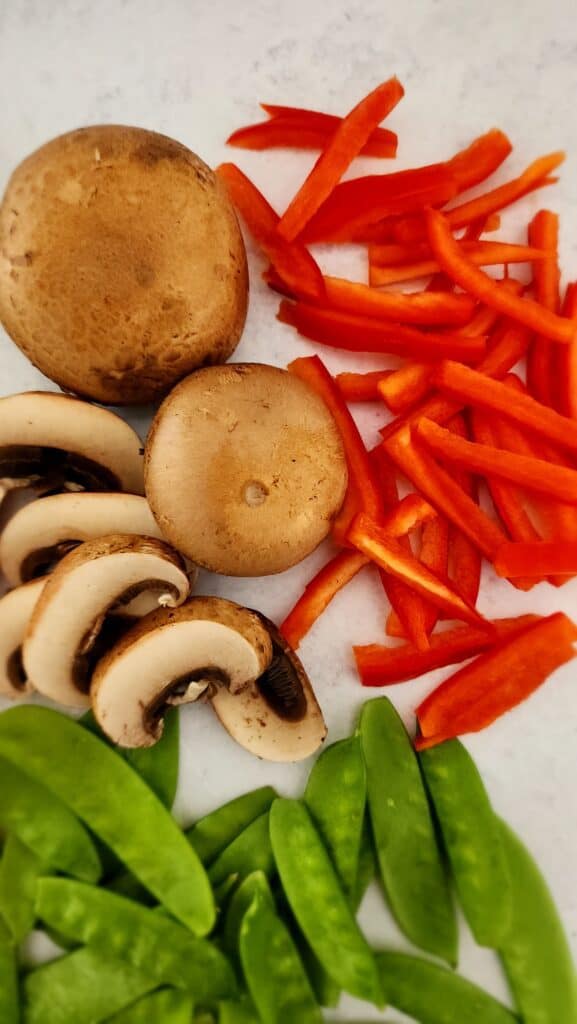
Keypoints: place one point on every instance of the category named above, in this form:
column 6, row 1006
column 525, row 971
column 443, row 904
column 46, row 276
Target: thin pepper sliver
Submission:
column 539, row 557
column 318, row 594
column 481, row 254
column 361, row 387
column 427, row 308
column 541, row 357
column 465, row 560
column 566, row 392
column 480, row 158
column 298, row 128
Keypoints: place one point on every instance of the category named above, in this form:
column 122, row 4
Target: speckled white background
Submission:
column 196, row 71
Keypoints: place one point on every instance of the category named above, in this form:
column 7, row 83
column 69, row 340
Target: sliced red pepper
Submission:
column 319, row 593
column 567, row 361
column 361, row 387
column 480, row 159
column 481, row 254
column 292, row 262
column 348, row 511
column 385, row 666
column 298, row 128
column 345, row 144
column 412, row 511
column 541, row 357
column 497, row 681
column 427, row 308
column 465, row 559
column 434, row 554
column 476, row 283
column 546, row 558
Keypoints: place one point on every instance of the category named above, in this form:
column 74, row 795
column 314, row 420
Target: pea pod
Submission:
column 434, row 995
column 9, row 994
column 535, row 951
column 250, row 851
column 274, row 974
column 20, row 869
column 217, row 830
column 117, row 805
column 43, row 822
column 318, row 902
column 252, row 886
column 472, row 838
column 167, row 1006
column 150, row 941
column 410, row 862
column 242, row 1012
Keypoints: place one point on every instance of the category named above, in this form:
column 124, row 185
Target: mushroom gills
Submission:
column 16, row 609
column 281, row 687
column 64, row 470
column 42, row 561
column 15, row 673
column 103, row 635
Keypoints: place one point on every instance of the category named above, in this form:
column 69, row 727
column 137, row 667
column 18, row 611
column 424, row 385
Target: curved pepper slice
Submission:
column 361, row 387
column 300, row 128
column 384, row 270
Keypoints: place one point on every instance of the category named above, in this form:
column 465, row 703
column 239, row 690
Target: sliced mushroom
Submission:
column 16, row 608
column 74, row 623
column 45, row 436
column 41, row 533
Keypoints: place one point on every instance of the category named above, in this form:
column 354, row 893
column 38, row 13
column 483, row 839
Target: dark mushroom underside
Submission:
column 64, row 468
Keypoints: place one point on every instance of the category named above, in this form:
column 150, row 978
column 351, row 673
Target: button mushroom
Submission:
column 16, row 609
column 244, row 469
column 70, row 443
column 73, row 624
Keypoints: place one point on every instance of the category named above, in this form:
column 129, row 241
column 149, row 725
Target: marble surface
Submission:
column 196, row 71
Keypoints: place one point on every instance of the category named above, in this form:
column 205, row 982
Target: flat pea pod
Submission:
column 167, row 1006
column 318, row 902
column 43, row 822
column 147, row 939
column 410, row 862
column 434, row 995
column 473, row 840
column 253, row 885
column 117, row 805
column 85, row 986
column 217, row 830
column 9, row 994
column 274, row 974
column 535, row 951
column 336, row 795
column 241, row 1012
column 250, row 851
column 20, row 870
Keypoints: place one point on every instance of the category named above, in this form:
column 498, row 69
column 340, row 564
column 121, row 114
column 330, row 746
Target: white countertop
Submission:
column 197, row 71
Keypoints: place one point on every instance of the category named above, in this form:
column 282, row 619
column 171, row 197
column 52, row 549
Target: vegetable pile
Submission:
column 462, row 411
column 250, row 916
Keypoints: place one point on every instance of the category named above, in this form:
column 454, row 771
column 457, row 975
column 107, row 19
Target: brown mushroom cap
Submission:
column 244, row 469
column 122, row 266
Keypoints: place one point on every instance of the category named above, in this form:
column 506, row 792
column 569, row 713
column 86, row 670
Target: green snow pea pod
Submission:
column 318, row 902
column 147, row 939
column 410, row 861
column 125, row 884
column 472, row 838
column 20, row 870
column 117, row 805
column 367, row 866
column 434, row 995
column 252, row 886
column 43, row 822
column 250, row 851
column 167, row 1006
column 217, row 830
column 242, row 1012
column 9, row 994
column 535, row 951
column 274, row 974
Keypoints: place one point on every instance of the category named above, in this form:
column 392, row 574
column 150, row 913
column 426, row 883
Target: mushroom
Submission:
column 244, row 469
column 122, row 265
column 41, row 533
column 16, row 609
column 58, row 442
column 76, row 617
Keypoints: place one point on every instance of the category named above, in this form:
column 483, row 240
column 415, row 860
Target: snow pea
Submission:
column 535, row 951
column 9, row 994
column 434, row 995
column 242, row 1012
column 318, row 902
column 217, row 830
column 411, row 865
column 167, row 1006
column 472, row 838
column 253, row 885
column 43, row 822
column 117, row 805
column 149, row 940
column 274, row 974
column 250, row 851
column 20, row 869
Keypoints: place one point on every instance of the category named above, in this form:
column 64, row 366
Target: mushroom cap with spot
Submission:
column 16, row 608
column 70, row 619
column 244, row 469
column 122, row 265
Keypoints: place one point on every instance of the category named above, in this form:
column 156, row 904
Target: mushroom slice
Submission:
column 174, row 657
column 76, row 619
column 277, row 717
column 16, row 609
column 75, row 445
column 41, row 533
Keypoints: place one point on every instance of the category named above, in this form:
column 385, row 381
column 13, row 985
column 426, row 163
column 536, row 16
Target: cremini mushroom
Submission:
column 58, row 442
column 244, row 469
column 42, row 532
column 176, row 656
column 76, row 616
column 16, row 609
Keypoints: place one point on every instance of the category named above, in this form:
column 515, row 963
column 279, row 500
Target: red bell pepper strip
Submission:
column 361, row 387
column 434, row 554
column 547, row 558
column 497, row 681
column 412, row 511
column 481, row 254
column 319, row 593
column 476, row 283
column 426, row 308
column 465, row 559
column 480, row 159
column 292, row 262
column 298, row 128
column 385, row 666
column 345, row 144
column 386, row 552
column 567, row 361
column 541, row 357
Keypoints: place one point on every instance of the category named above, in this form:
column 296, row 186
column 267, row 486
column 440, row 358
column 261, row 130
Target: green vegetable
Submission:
column 434, row 995
column 166, row 1006
column 148, row 940
column 217, row 830
column 318, row 902
column 9, row 994
column 40, row 820
column 20, row 869
column 253, row 885
column 410, row 862
column 250, row 851
column 473, row 840
column 242, row 1012
column 117, row 805
column 535, row 951
column 275, row 976
column 125, row 884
